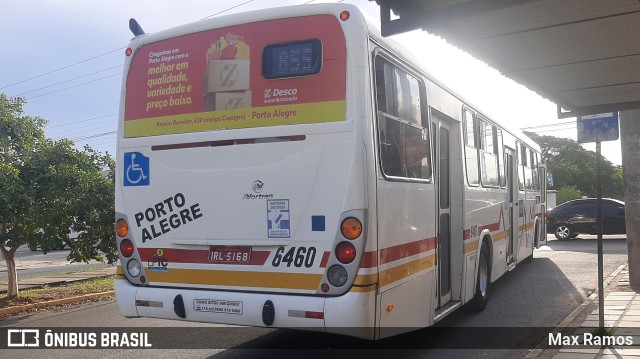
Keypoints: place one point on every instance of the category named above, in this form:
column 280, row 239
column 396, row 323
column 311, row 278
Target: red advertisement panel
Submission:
column 214, row 79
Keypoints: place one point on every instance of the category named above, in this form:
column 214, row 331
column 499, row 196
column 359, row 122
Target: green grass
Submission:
column 607, row 330
column 74, row 271
column 46, row 293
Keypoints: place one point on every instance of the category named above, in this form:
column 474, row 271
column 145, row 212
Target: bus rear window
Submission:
column 292, row 59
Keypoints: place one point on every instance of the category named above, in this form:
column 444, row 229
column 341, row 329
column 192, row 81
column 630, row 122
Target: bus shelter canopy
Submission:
column 584, row 55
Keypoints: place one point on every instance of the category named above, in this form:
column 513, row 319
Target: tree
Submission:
column 567, row 194
column 573, row 166
column 50, row 188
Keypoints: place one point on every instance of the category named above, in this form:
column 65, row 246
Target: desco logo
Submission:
column 278, row 92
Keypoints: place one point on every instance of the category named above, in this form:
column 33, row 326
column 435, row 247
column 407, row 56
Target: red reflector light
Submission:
column 128, row 51
column 314, row 315
column 344, row 16
column 126, row 248
column 324, row 287
column 345, row 252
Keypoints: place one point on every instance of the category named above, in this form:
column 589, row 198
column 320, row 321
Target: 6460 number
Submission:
column 296, row 256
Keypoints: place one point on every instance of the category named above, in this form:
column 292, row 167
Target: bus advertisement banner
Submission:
column 238, row 77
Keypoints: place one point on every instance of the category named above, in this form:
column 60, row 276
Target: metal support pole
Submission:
column 599, row 224
column 630, row 140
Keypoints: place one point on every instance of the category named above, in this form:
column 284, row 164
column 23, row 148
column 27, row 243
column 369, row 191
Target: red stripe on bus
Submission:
column 400, row 251
column 325, row 259
column 173, row 255
column 369, row 260
column 491, row 227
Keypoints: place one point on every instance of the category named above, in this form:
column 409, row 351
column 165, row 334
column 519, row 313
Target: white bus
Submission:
column 291, row 168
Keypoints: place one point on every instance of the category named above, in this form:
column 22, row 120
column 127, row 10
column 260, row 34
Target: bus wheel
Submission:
column 481, row 296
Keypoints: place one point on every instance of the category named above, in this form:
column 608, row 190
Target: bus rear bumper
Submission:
column 351, row 314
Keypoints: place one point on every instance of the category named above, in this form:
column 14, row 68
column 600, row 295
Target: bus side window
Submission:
column 501, row 160
column 522, row 159
column 471, row 148
column 390, row 139
column 403, row 139
column 489, row 157
column 534, row 167
column 528, row 174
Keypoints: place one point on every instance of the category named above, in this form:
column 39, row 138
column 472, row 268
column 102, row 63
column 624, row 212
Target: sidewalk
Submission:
column 59, row 279
column 621, row 316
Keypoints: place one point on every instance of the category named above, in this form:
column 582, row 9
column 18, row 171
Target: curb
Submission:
column 52, row 303
column 540, row 348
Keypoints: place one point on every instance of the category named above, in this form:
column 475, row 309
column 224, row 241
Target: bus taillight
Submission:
column 337, row 276
column 345, row 252
column 122, row 228
column 344, row 16
column 134, row 269
column 126, row 248
column 351, row 228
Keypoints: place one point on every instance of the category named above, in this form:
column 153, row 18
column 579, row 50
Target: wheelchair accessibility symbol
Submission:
column 136, row 169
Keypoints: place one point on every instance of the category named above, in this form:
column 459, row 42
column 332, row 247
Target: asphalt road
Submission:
column 536, row 295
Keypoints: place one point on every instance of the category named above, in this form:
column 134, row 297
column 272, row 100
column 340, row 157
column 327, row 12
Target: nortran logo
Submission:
column 256, row 188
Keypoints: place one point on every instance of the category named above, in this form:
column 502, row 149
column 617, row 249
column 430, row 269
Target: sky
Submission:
column 66, row 58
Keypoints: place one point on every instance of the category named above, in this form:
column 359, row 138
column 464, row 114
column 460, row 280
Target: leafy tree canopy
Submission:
column 573, row 166
column 50, row 188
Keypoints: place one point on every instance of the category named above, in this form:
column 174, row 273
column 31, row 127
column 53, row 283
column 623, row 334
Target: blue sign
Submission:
column 136, row 169
column 278, row 218
column 598, row 128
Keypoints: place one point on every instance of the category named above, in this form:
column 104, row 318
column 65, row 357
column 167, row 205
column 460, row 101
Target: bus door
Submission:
column 542, row 200
column 442, row 147
column 511, row 214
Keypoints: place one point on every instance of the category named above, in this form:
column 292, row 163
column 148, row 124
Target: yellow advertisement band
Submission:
column 318, row 112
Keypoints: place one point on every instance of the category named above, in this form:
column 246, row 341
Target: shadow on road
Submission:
column 525, row 305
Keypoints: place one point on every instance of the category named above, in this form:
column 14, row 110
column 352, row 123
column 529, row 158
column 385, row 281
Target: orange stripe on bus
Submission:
column 470, row 247
column 369, row 288
column 395, row 274
column 237, row 279
column 364, row 283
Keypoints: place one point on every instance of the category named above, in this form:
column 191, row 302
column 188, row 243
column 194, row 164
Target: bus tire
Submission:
column 483, row 279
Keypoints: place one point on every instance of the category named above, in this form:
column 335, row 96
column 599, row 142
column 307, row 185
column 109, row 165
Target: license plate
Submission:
column 230, row 255
column 217, row 306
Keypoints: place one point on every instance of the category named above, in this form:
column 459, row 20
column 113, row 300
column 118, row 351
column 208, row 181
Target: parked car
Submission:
column 571, row 218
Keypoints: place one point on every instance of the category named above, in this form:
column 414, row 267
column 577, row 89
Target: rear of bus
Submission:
column 242, row 189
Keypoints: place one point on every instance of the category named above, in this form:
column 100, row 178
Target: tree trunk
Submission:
column 12, row 273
